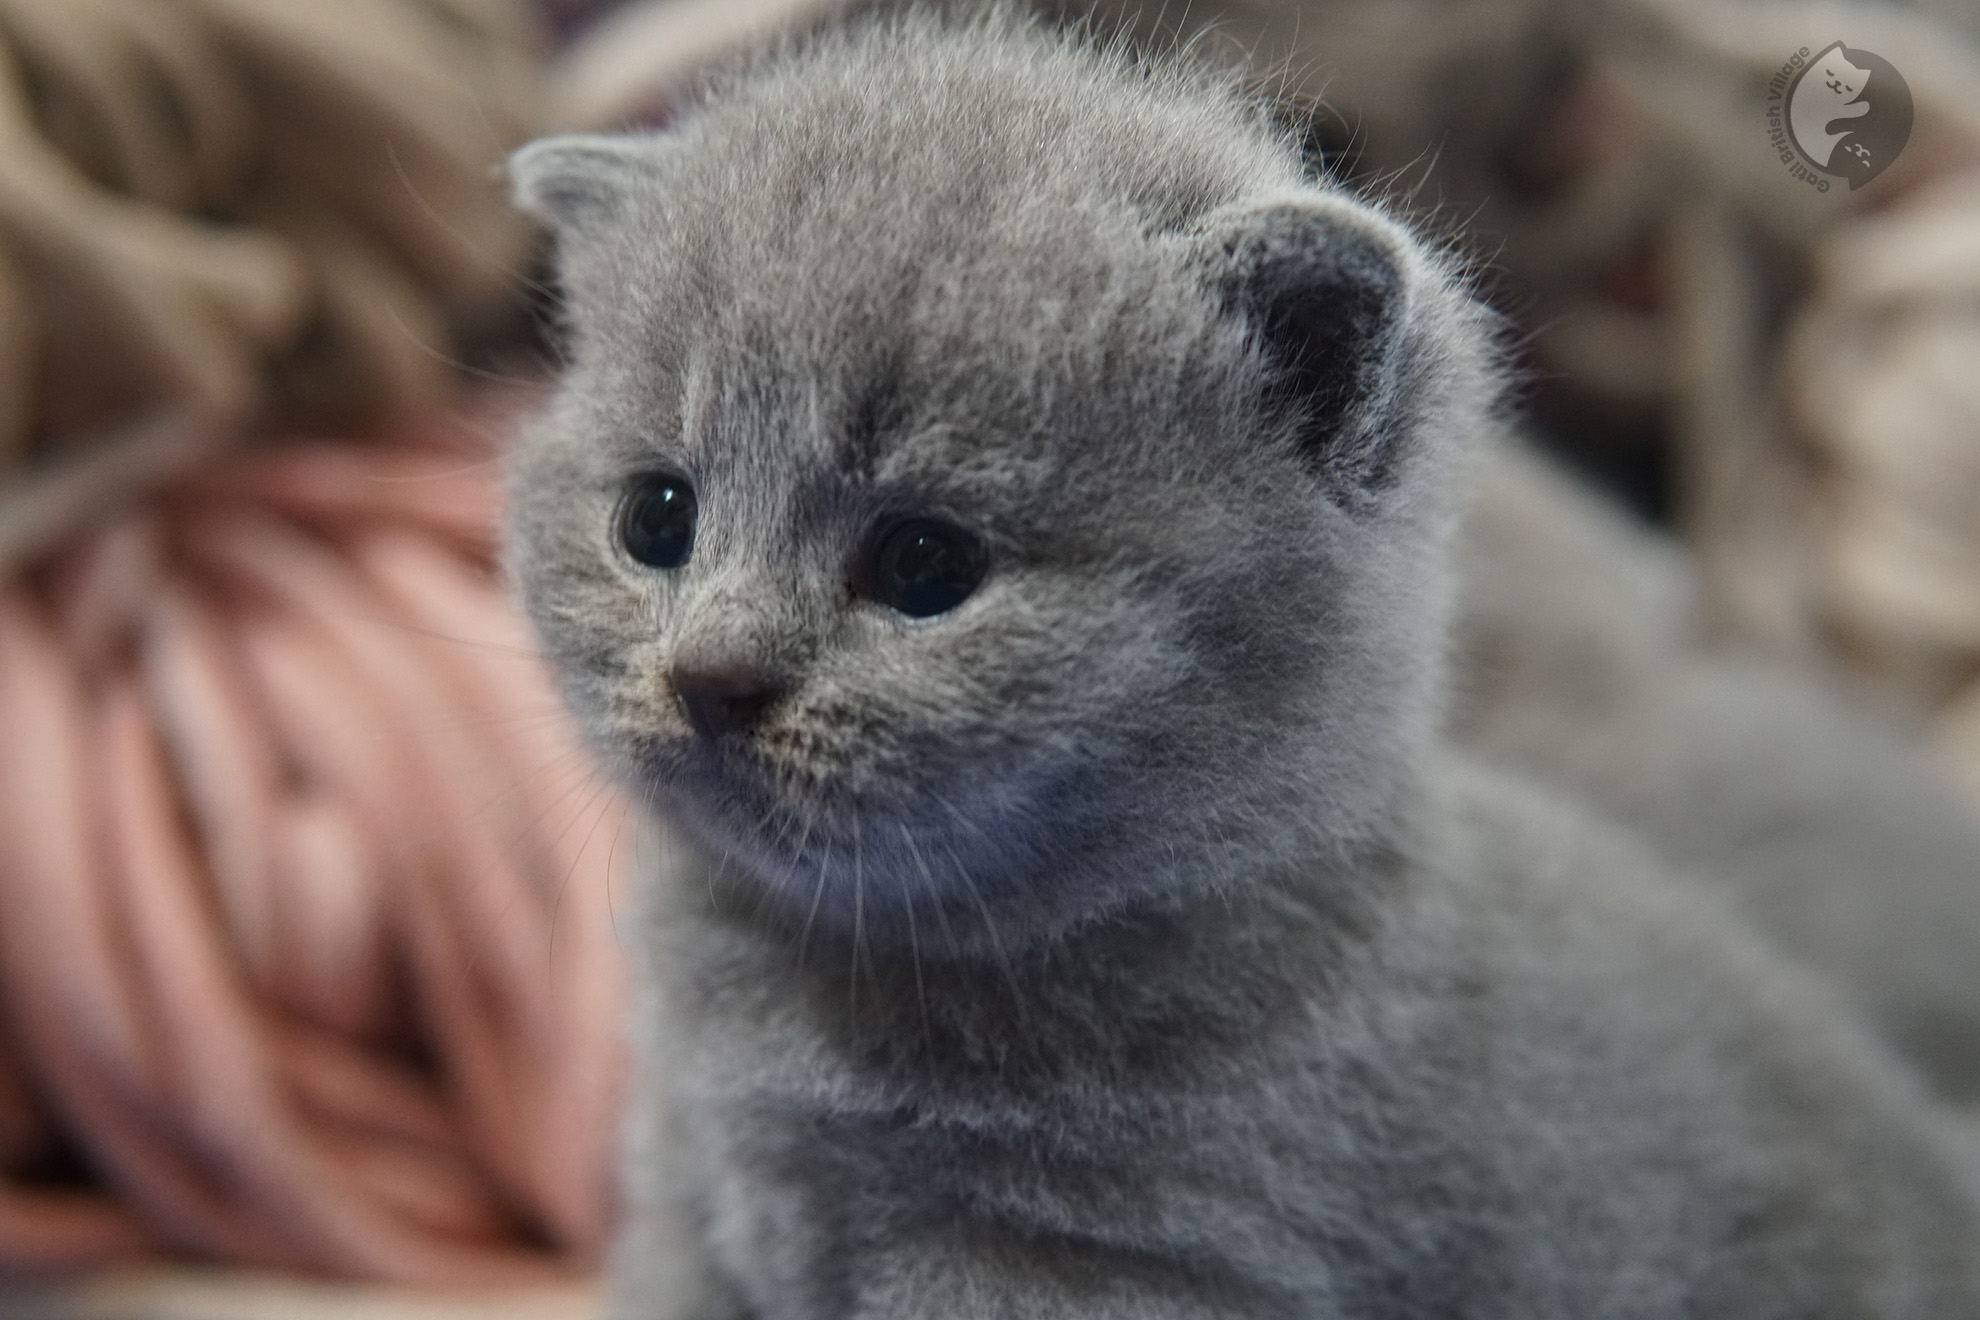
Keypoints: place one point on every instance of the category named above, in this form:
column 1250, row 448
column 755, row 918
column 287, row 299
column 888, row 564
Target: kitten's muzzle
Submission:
column 715, row 702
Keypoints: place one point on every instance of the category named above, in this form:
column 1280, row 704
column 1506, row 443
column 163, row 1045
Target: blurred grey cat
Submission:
column 1584, row 657
column 997, row 509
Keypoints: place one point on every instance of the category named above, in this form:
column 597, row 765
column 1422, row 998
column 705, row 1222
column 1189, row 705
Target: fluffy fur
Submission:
column 1125, row 942
column 1583, row 659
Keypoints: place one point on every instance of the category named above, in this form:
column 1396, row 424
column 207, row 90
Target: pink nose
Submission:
column 719, row 701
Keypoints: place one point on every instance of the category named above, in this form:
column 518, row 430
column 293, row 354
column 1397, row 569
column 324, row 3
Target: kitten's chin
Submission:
column 925, row 866
column 809, row 879
column 924, row 878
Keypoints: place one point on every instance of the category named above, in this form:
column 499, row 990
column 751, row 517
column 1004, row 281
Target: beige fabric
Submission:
column 636, row 59
column 239, row 204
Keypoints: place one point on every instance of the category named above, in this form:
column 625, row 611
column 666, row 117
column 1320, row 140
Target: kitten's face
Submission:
column 1005, row 594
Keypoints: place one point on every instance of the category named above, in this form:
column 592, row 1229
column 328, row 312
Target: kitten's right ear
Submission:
column 575, row 180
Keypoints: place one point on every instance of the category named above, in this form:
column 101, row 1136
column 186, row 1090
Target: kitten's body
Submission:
column 1120, row 942
column 1528, row 1078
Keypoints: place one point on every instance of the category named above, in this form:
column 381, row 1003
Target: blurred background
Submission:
column 307, row 960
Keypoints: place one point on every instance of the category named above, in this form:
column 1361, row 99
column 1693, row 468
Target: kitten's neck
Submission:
column 1116, row 994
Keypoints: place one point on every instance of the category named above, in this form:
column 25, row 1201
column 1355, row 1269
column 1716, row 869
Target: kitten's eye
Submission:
column 924, row 567
column 656, row 521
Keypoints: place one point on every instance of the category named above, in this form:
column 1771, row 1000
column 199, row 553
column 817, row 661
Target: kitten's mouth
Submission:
column 755, row 808
column 826, row 852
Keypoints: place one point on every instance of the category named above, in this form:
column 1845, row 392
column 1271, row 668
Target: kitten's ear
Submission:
column 1322, row 286
column 575, row 180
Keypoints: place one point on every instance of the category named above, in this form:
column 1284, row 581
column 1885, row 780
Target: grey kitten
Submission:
column 997, row 511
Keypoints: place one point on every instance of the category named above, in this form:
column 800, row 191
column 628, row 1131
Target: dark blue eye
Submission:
column 656, row 520
column 923, row 567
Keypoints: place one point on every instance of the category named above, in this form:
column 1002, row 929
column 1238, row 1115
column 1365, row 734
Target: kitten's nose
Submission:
column 719, row 701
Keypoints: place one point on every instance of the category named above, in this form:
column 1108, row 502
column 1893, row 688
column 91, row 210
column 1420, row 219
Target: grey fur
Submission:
column 1584, row 659
column 1125, row 942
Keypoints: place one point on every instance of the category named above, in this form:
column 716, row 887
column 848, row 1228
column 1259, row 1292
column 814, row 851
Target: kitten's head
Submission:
column 991, row 480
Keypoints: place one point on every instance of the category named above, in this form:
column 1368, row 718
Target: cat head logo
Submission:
column 1849, row 113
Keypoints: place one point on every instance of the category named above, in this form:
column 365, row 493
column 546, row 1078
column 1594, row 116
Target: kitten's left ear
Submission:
column 1321, row 283
column 575, row 180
